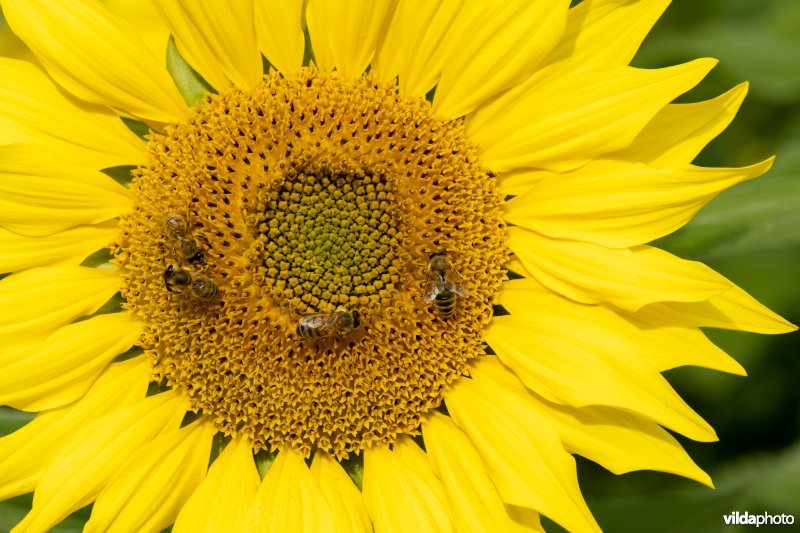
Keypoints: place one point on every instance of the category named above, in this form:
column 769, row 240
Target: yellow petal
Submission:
column 524, row 519
column 37, row 301
column 26, row 453
column 519, row 181
column 144, row 18
column 521, row 450
column 416, row 40
column 598, row 367
column 614, row 439
column 680, row 131
column 149, row 490
column 59, row 369
column 499, row 51
column 217, row 39
column 604, row 33
column 662, row 345
column 621, row 205
column 289, row 499
column 97, row 56
column 89, row 134
column 280, row 33
column 345, row 33
column 87, row 461
column 562, row 122
column 12, row 46
column 222, row 500
column 69, row 247
column 475, row 503
column 732, row 309
column 630, row 279
column 344, row 499
column 40, row 195
column 401, row 491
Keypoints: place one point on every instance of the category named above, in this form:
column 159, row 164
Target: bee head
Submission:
column 356, row 319
column 437, row 254
column 197, row 257
column 167, row 275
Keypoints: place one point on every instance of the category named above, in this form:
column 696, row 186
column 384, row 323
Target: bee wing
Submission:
column 322, row 321
column 433, row 286
column 461, row 291
column 455, row 284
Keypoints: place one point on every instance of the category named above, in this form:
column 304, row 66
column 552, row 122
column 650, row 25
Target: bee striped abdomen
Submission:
column 308, row 332
column 446, row 303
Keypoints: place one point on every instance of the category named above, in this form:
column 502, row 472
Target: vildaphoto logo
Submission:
column 763, row 519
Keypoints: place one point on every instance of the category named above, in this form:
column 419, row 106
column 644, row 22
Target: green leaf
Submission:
column 11, row 420
column 190, row 84
column 121, row 174
column 138, row 127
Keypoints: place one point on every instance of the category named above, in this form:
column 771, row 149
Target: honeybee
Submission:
column 184, row 246
column 202, row 287
column 442, row 284
column 336, row 324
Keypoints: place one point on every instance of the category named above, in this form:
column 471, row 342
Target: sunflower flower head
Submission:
column 371, row 265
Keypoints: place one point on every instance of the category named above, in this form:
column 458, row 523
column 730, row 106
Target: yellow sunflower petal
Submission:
column 216, row 38
column 279, row 29
column 521, row 450
column 618, row 441
column 630, row 279
column 500, row 50
column 92, row 135
column 519, row 181
column 59, row 369
column 39, row 195
column 401, row 491
column 344, row 499
column 144, row 18
column 413, row 48
column 149, row 490
column 289, row 499
column 605, row 33
column 563, row 122
column 222, row 500
column 733, row 309
column 36, row 301
column 664, row 346
column 97, row 56
column 473, row 498
column 26, row 453
column 69, row 247
column 598, row 367
column 91, row 457
column 621, row 205
column 680, row 131
column 622, row 442
column 524, row 519
column 345, row 33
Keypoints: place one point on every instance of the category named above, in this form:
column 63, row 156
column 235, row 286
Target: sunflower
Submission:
column 342, row 266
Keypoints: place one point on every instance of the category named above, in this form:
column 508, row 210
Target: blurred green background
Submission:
column 752, row 235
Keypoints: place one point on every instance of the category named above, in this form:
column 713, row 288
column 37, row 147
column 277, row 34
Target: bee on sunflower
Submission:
column 374, row 265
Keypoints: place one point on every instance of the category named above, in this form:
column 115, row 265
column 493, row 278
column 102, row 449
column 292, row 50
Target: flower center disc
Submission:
column 309, row 195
